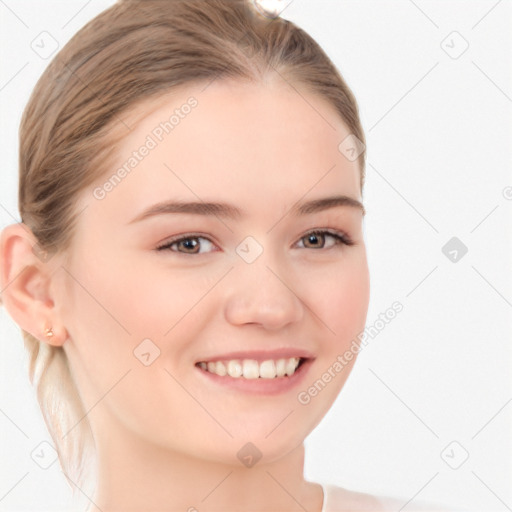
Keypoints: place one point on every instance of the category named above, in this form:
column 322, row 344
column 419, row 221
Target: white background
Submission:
column 439, row 139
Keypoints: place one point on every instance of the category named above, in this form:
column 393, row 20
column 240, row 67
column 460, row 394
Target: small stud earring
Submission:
column 48, row 332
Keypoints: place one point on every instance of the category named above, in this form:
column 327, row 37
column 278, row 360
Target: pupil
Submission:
column 314, row 239
column 190, row 243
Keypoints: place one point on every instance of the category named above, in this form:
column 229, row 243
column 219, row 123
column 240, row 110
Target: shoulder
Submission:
column 339, row 499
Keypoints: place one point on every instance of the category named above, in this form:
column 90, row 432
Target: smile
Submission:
column 252, row 369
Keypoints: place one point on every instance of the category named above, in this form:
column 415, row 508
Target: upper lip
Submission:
column 260, row 355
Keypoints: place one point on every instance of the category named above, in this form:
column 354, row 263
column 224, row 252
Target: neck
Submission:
column 134, row 475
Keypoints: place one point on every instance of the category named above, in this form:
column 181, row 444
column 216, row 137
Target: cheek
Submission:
column 339, row 295
column 157, row 298
column 113, row 309
column 110, row 310
column 129, row 297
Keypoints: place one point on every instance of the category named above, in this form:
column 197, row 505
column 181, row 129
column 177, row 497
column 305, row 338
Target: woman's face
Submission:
column 142, row 310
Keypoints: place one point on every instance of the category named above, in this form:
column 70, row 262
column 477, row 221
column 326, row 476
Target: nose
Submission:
column 261, row 294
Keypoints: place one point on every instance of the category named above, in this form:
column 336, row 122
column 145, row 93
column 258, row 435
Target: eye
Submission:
column 190, row 244
column 318, row 238
column 186, row 245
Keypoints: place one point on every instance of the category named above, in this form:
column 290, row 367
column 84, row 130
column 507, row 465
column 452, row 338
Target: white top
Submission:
column 337, row 499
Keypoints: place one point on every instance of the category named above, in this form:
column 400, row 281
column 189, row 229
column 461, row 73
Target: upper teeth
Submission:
column 252, row 369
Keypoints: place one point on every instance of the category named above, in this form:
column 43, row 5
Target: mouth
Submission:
column 260, row 376
column 252, row 368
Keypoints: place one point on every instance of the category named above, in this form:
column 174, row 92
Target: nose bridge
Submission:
column 260, row 292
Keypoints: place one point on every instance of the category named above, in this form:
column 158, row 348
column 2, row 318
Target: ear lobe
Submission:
column 25, row 278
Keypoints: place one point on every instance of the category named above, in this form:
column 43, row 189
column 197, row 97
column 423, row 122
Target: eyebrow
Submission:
column 232, row 212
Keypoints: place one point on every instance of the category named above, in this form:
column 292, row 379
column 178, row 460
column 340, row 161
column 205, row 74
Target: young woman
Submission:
column 190, row 263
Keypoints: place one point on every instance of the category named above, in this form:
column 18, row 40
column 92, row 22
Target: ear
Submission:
column 25, row 278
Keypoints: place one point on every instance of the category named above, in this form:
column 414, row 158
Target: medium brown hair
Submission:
column 131, row 52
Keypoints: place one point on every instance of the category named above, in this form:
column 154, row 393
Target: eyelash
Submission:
column 341, row 239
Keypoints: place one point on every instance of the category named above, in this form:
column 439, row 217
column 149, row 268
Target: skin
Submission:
column 166, row 438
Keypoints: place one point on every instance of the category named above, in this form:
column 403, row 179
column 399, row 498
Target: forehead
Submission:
column 232, row 138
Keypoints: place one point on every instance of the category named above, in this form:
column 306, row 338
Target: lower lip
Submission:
column 261, row 386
